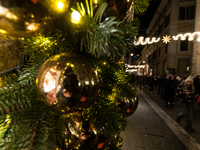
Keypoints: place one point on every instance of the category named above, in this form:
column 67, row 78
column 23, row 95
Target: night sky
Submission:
column 145, row 21
column 146, row 18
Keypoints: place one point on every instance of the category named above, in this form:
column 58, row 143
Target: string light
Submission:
column 32, row 26
column 3, row 31
column 166, row 39
column 189, row 35
column 60, row 5
column 147, row 41
column 95, row 1
column 75, row 16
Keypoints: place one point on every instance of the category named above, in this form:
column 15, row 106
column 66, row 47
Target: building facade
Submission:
column 173, row 17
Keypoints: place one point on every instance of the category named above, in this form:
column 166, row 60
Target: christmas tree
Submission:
column 72, row 92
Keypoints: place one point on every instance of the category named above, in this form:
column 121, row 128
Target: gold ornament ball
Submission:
column 68, row 81
column 128, row 106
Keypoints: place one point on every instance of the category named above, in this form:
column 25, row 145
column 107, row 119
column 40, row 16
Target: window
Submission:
column 154, row 55
column 167, row 20
column 159, row 49
column 186, row 13
column 184, row 45
column 166, row 48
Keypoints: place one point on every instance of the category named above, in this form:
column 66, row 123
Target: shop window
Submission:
column 184, row 45
column 167, row 21
column 187, row 13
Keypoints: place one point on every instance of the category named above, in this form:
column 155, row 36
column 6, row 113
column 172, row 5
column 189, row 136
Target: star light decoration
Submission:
column 166, row 39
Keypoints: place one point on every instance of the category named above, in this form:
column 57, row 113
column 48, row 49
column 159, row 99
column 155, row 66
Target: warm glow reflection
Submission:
column 3, row 31
column 5, row 12
column 49, row 82
column 10, row 15
column 32, row 26
column 95, row 1
column 60, row 5
column 75, row 16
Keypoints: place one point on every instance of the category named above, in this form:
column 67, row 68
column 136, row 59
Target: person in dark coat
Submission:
column 196, row 79
column 69, row 88
column 167, row 90
column 151, row 84
column 159, row 80
column 172, row 89
column 162, row 89
column 140, row 82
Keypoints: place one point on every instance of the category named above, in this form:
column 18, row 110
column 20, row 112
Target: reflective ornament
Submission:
column 90, row 139
column 128, row 106
column 68, row 82
column 117, row 8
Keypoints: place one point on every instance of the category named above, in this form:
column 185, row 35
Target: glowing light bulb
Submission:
column 60, row 5
column 32, row 26
column 3, row 31
column 75, row 16
column 95, row 1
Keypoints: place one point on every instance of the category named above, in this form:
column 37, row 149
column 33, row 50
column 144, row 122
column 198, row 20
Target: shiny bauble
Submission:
column 128, row 106
column 89, row 137
column 68, row 82
column 117, row 8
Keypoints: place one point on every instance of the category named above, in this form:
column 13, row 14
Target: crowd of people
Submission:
column 185, row 89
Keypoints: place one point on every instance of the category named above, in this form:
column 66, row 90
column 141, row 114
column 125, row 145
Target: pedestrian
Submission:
column 167, row 90
column 151, row 84
column 172, row 89
column 196, row 79
column 140, row 83
column 159, row 81
column 147, row 81
column 162, row 87
column 186, row 100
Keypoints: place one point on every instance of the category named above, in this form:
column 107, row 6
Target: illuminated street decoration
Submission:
column 135, row 66
column 166, row 39
column 147, row 41
column 189, row 35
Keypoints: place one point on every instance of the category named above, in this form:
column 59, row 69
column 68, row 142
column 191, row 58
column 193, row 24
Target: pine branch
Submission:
column 125, row 90
column 109, row 121
column 98, row 37
column 140, row 6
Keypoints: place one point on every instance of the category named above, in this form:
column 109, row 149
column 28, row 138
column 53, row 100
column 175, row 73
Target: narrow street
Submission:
column 153, row 126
